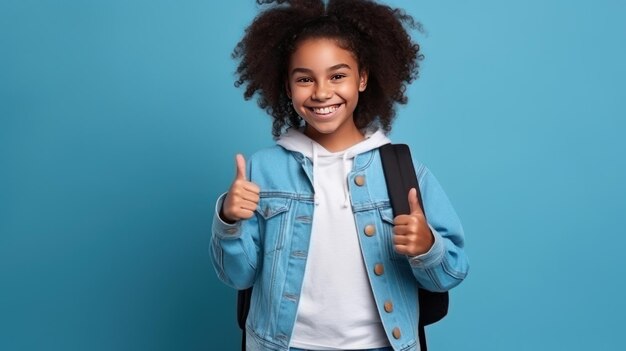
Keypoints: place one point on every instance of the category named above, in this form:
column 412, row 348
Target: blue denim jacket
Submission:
column 269, row 250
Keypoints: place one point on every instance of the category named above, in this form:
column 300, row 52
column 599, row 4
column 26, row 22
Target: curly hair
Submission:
column 376, row 34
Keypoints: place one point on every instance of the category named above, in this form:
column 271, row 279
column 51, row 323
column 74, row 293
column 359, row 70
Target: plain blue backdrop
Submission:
column 119, row 123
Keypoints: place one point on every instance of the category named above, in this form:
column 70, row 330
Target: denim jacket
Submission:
column 269, row 250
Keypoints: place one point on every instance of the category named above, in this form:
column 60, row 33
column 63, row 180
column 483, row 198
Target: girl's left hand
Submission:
column 412, row 236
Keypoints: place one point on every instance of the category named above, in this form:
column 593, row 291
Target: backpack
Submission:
column 400, row 178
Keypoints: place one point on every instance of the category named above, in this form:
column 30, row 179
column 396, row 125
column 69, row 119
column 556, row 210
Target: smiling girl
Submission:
column 308, row 222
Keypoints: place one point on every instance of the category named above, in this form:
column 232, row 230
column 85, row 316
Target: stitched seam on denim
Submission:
column 273, row 278
column 262, row 341
column 283, row 228
column 304, row 219
column 249, row 260
column 451, row 271
column 385, row 218
column 219, row 257
column 288, row 195
column 368, row 162
column 431, row 274
column 406, row 297
column 410, row 346
column 366, row 206
column 420, row 171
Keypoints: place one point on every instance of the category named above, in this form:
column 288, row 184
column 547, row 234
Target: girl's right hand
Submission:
column 243, row 196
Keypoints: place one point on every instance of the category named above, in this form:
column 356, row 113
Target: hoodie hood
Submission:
column 296, row 140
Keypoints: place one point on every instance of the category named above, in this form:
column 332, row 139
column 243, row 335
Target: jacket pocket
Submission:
column 386, row 216
column 272, row 213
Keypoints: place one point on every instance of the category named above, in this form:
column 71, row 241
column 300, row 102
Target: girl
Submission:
column 308, row 222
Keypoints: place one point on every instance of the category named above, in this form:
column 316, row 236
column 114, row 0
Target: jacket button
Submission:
column 388, row 306
column 359, row 180
column 379, row 269
column 396, row 333
column 370, row 230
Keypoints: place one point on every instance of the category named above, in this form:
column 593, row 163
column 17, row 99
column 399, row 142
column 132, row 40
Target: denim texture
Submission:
column 269, row 250
column 376, row 349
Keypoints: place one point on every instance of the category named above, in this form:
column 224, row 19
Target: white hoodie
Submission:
column 337, row 307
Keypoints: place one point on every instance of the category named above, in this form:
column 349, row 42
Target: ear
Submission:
column 363, row 81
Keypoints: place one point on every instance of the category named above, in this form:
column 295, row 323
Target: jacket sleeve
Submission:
column 445, row 265
column 234, row 249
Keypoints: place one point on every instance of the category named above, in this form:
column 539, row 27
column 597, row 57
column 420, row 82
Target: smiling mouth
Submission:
column 325, row 110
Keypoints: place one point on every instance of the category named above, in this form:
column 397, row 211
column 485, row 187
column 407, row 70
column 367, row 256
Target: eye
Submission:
column 338, row 76
column 303, row 80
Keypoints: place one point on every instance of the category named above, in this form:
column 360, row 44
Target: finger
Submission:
column 401, row 230
column 407, row 230
column 244, row 214
column 414, row 204
column 241, row 167
column 248, row 205
column 243, row 186
column 405, row 220
column 250, row 196
column 401, row 249
column 400, row 240
column 251, row 187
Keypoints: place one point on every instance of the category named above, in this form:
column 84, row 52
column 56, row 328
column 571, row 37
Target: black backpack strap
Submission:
column 400, row 178
column 243, row 306
column 433, row 305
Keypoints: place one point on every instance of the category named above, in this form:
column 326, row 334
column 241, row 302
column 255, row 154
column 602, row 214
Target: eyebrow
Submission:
column 330, row 69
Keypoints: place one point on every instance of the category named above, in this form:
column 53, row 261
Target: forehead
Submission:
column 320, row 54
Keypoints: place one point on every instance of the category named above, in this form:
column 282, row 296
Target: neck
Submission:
column 332, row 142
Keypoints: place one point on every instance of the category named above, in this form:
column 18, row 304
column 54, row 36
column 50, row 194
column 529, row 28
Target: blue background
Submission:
column 119, row 123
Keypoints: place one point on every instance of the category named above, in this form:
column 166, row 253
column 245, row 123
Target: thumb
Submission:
column 241, row 167
column 414, row 204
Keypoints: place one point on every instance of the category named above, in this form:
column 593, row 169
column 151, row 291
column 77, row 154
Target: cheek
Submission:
column 298, row 96
column 348, row 91
column 351, row 96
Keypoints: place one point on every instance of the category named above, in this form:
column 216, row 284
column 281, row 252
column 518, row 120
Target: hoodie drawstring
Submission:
column 315, row 175
column 346, row 171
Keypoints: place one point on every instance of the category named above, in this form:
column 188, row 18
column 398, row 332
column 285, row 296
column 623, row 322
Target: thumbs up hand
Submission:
column 412, row 236
column 243, row 196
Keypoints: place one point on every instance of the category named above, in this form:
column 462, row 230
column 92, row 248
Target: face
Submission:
column 324, row 84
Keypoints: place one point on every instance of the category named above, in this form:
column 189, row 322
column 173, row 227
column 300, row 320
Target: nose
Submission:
column 322, row 92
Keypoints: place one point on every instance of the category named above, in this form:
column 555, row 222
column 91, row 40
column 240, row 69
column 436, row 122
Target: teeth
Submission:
column 325, row 110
